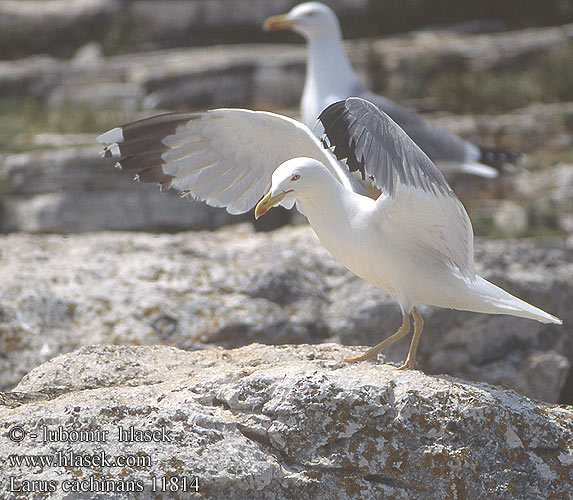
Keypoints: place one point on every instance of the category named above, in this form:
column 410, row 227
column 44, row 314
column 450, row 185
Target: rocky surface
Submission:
column 69, row 190
column 264, row 75
column 234, row 287
column 62, row 26
column 286, row 422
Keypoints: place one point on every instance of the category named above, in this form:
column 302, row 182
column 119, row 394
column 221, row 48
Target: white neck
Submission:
column 330, row 209
column 329, row 76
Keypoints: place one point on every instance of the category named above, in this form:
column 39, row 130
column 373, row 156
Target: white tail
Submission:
column 494, row 300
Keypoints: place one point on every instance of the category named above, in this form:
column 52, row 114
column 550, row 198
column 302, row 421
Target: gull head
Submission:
column 291, row 180
column 309, row 19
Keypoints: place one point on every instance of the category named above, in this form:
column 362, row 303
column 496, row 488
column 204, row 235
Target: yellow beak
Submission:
column 276, row 23
column 267, row 202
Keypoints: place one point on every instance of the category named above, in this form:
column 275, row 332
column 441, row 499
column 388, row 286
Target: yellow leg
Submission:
column 372, row 353
column 410, row 363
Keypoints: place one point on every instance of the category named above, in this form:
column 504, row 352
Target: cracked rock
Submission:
column 233, row 287
column 264, row 422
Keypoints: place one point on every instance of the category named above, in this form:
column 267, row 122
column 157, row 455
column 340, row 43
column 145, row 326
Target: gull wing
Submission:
column 224, row 157
column 415, row 197
column 437, row 143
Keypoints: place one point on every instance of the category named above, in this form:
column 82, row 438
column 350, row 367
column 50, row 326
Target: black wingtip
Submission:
column 337, row 122
column 373, row 144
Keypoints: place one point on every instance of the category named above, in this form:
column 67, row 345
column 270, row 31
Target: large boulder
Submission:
column 266, row 422
column 234, row 287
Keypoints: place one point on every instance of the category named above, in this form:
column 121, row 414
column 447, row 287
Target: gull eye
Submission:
column 295, row 177
column 310, row 14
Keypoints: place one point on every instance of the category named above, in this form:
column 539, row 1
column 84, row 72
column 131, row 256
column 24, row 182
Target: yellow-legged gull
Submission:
column 415, row 241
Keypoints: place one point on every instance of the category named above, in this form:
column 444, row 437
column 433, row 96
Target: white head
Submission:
column 309, row 19
column 293, row 179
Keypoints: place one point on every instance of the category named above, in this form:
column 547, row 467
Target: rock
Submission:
column 529, row 129
column 61, row 26
column 268, row 75
column 234, row 287
column 87, row 55
column 507, row 217
column 283, row 422
column 71, row 189
column 553, row 184
column 419, row 53
column 74, row 189
column 54, row 26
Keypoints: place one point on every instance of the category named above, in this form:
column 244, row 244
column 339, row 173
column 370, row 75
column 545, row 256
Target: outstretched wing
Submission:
column 415, row 195
column 224, row 157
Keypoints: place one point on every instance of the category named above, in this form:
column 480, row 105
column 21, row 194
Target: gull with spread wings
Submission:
column 415, row 241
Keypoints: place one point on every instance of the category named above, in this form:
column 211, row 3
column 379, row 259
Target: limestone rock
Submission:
column 404, row 57
column 263, row 75
column 234, row 287
column 74, row 189
column 285, row 422
column 62, row 26
column 53, row 26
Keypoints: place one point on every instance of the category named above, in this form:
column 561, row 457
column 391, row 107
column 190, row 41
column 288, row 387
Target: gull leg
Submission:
column 410, row 363
column 372, row 353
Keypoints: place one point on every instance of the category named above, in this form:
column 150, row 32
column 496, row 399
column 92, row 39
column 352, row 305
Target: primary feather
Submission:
column 224, row 157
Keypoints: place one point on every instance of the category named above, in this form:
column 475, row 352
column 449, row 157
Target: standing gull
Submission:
column 415, row 241
column 330, row 78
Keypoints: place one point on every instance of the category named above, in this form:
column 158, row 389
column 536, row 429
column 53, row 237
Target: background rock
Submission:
column 266, row 75
column 52, row 26
column 235, row 287
column 92, row 92
column 60, row 27
column 287, row 422
column 72, row 190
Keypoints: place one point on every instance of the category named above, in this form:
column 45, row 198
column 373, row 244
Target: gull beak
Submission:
column 276, row 23
column 269, row 201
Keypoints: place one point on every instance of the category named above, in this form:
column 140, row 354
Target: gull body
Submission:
column 330, row 78
column 360, row 233
column 415, row 241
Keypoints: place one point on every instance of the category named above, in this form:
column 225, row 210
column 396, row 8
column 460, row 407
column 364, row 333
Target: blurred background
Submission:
column 498, row 72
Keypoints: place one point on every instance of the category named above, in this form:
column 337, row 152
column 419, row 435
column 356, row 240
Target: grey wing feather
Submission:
column 438, row 144
column 417, row 198
column 374, row 145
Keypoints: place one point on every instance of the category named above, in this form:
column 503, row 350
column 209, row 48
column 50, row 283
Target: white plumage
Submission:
column 224, row 157
column 415, row 241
